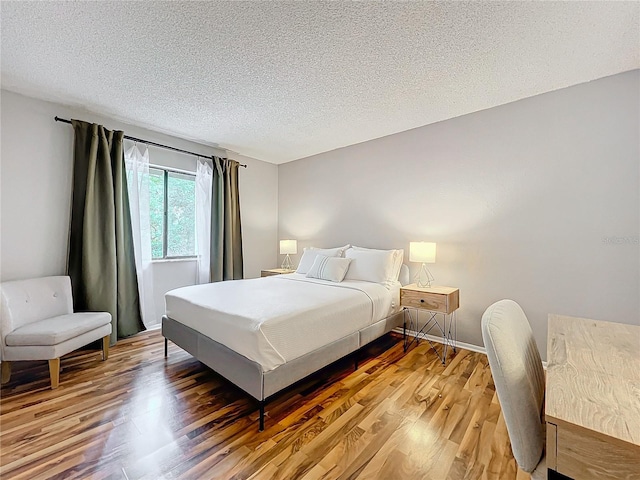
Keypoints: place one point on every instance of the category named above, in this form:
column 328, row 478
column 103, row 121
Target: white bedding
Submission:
column 277, row 319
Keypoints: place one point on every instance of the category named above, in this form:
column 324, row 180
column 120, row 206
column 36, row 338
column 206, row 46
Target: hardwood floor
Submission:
column 141, row 416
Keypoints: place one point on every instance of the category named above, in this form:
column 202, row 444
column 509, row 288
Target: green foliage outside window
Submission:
column 181, row 215
column 180, row 210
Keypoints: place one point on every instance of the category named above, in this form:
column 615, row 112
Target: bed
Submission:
column 265, row 334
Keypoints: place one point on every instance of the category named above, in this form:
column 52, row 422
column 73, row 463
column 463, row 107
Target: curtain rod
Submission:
column 147, row 142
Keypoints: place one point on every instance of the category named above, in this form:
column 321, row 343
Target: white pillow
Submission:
column 404, row 278
column 329, row 268
column 341, row 249
column 309, row 255
column 398, row 259
column 376, row 266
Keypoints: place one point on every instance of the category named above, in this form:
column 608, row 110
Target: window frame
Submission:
column 165, row 213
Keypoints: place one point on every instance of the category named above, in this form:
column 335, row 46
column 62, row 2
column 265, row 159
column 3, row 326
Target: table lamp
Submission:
column 423, row 252
column 288, row 247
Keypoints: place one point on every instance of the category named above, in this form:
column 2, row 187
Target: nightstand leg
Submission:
column 455, row 331
column 404, row 329
column 445, row 340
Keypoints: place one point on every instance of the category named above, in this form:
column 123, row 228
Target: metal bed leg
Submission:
column 261, row 402
column 166, row 347
column 355, row 360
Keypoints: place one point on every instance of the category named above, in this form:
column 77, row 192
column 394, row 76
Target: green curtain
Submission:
column 226, row 231
column 101, row 262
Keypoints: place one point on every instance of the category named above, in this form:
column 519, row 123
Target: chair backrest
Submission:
column 518, row 375
column 28, row 301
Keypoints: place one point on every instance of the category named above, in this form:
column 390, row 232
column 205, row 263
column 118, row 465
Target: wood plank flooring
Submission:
column 141, row 416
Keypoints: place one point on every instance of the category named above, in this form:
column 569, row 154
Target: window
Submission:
column 172, row 211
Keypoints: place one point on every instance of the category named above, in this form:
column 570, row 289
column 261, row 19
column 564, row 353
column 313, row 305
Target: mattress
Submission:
column 276, row 319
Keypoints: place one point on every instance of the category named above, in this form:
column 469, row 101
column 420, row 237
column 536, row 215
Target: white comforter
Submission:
column 277, row 319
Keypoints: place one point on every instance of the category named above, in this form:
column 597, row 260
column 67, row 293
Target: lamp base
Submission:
column 287, row 265
column 424, row 277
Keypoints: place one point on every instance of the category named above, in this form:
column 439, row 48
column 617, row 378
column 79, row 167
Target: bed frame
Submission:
column 248, row 375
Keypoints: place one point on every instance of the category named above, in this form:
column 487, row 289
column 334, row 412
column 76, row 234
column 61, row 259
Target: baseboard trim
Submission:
column 466, row 346
column 433, row 338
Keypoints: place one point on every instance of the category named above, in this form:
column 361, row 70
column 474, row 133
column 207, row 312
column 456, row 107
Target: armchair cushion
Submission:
column 55, row 330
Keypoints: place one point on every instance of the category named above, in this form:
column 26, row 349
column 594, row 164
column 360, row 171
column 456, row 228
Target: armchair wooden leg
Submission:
column 54, row 372
column 105, row 347
column 6, row 372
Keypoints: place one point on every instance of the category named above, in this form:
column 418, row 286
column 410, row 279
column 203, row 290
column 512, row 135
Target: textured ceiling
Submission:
column 283, row 80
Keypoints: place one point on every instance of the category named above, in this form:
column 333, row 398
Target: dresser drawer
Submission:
column 435, row 299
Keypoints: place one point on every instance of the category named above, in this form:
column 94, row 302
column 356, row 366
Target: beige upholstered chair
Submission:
column 518, row 375
column 38, row 323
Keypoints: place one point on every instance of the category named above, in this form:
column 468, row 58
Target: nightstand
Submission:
column 440, row 305
column 275, row 271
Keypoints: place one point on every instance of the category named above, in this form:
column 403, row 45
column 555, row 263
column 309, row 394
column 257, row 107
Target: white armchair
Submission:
column 38, row 323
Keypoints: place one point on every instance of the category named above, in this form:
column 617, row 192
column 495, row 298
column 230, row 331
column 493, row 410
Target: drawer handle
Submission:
column 422, row 300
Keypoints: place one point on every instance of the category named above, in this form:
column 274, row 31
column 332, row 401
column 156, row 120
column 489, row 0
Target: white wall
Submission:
column 36, row 166
column 519, row 198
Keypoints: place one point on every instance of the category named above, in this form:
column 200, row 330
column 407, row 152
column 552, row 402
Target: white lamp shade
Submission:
column 422, row 252
column 288, row 247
